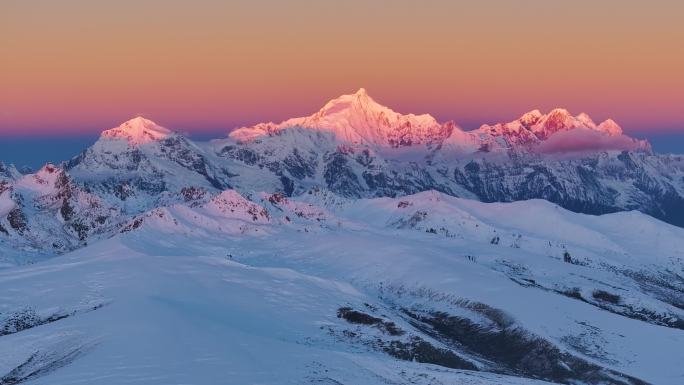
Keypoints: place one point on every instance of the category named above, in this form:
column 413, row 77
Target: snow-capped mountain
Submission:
column 141, row 164
column 566, row 159
column 358, row 119
column 557, row 131
column 138, row 131
column 355, row 147
column 543, row 126
column 46, row 213
column 8, row 172
column 421, row 289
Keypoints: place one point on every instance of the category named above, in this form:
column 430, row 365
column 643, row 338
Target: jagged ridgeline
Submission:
column 356, row 147
column 352, row 147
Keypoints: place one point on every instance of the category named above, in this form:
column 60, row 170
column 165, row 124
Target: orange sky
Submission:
column 85, row 65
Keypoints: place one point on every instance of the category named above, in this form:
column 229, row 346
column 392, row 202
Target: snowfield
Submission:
column 318, row 289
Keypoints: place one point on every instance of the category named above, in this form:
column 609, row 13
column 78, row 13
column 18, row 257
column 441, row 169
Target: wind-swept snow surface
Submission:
column 424, row 289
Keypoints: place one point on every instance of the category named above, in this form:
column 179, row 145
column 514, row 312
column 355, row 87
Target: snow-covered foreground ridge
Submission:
column 319, row 289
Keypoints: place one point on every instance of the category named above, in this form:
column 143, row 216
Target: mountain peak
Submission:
column 358, row 118
column 560, row 119
column 559, row 111
column 8, row 171
column 357, row 103
column 610, row 127
column 530, row 118
column 48, row 168
column 561, row 128
column 586, row 120
column 138, row 131
column 50, row 179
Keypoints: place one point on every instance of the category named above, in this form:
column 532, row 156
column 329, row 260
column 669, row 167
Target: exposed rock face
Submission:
column 46, row 211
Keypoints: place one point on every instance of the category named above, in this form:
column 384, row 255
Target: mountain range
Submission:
column 356, row 245
column 353, row 147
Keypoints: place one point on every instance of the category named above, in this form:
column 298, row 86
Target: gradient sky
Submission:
column 76, row 67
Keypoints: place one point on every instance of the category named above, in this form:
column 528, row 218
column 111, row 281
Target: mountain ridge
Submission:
column 358, row 119
column 354, row 148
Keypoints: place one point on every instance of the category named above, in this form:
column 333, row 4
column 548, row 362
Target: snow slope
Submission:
column 423, row 289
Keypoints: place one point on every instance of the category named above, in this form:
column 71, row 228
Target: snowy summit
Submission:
column 138, row 131
column 358, row 118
